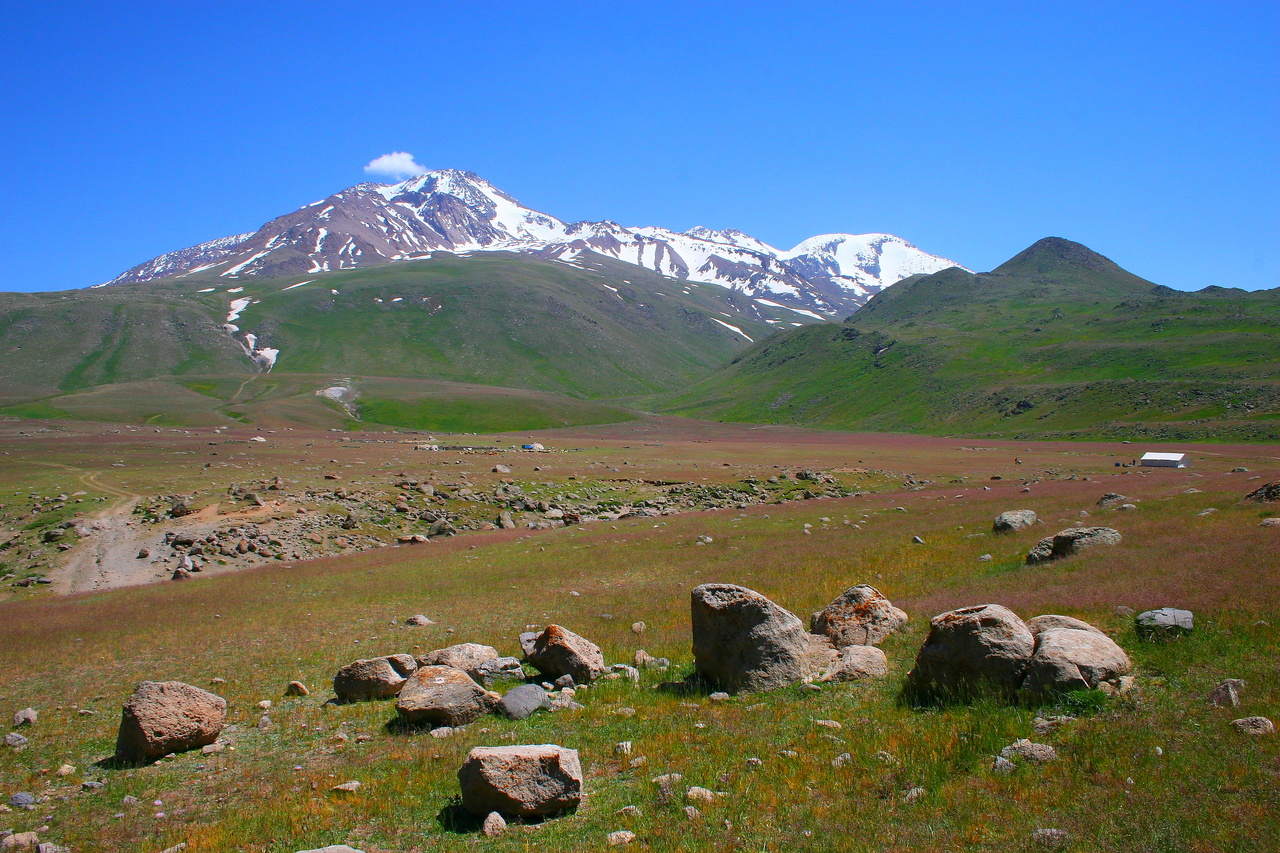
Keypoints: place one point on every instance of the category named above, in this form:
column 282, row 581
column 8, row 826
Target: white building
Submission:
column 1164, row 460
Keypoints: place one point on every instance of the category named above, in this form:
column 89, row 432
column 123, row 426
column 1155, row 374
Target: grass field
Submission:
column 1157, row 770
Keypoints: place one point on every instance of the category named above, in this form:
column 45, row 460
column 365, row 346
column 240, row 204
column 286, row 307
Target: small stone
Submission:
column 25, row 717
column 1227, row 694
column 15, row 740
column 65, row 770
column 1051, row 839
column 296, row 688
column 913, row 795
column 1002, row 765
column 842, row 760
column 692, row 813
column 754, row 762
column 629, row 811
column 718, row 696
column 265, row 704
column 638, row 627
column 830, row 724
column 494, row 825
column 984, row 558
column 917, row 540
column 696, row 794
column 418, row 621
column 621, row 837
column 213, row 748
column 22, row 798
column 91, row 785
column 625, row 712
column 442, row 732
column 347, row 787
column 264, row 722
column 1037, row 753
column 1254, row 726
column 622, row 748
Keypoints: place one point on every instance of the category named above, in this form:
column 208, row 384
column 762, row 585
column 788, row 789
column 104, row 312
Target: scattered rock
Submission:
column 347, row 787
column 521, row 780
column 332, row 848
column 1036, row 753
column 375, row 678
column 856, row 663
column 558, row 651
column 972, row 648
column 25, row 717
column 1254, row 726
column 1051, row 839
column 520, row 702
column 692, row 813
column 1013, row 520
column 696, row 794
column 501, row 469
column 1167, row 623
column 1269, row 522
column 917, row 540
column 1068, row 542
column 21, row 841
column 22, row 798
column 162, row 717
column 296, row 688
column 468, row 657
column 493, row 826
column 418, row 621
column 621, row 837
column 442, row 696
column 1111, row 499
column 742, row 641
column 1265, row 493
column 15, row 740
column 842, row 760
column 638, row 627
column 913, row 795
column 859, row 616
column 1227, row 694
column 1067, row 659
column 1003, row 766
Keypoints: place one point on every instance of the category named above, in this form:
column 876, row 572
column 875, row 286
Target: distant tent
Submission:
column 535, row 447
column 1164, row 460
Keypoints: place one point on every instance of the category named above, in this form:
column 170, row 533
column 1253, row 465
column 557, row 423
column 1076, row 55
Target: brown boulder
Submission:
column 970, row 649
column 521, row 780
column 168, row 716
column 558, row 651
column 856, row 663
column 442, row 696
column 375, row 678
column 859, row 616
column 1040, row 624
column 1068, row 659
column 468, row 657
column 1071, row 541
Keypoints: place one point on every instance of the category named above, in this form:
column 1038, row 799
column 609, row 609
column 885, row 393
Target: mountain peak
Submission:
column 1054, row 253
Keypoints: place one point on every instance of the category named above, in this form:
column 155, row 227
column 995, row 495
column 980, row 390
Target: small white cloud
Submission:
column 397, row 164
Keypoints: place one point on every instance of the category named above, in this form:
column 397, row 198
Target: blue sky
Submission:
column 1149, row 132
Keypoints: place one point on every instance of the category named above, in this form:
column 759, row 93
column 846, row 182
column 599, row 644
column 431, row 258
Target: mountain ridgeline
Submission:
column 1057, row 341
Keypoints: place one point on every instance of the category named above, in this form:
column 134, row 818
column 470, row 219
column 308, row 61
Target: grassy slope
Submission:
column 496, row 319
column 1057, row 340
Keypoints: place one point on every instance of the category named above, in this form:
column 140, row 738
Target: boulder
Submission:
column 528, row 640
column 856, row 663
column 1014, row 519
column 1040, row 624
column 1068, row 659
column 1254, row 726
column 1265, row 493
column 418, row 621
column 1036, row 753
column 521, row 780
column 1227, row 694
column 168, row 716
column 296, row 688
column 742, row 641
column 558, row 651
column 376, row 678
column 442, row 696
column 498, row 669
column 1071, row 541
column 859, row 616
column 970, row 649
column 25, row 717
column 1167, row 623
column 468, row 657
column 1111, row 499
column 520, row 702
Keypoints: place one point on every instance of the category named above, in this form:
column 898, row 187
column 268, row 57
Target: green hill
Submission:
column 1058, row 341
column 496, row 319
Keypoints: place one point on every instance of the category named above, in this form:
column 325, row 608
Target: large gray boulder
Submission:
column 1167, row 623
column 986, row 647
column 168, row 716
column 522, row 701
column 1013, row 520
column 521, row 780
column 558, row 651
column 1068, row 659
column 375, row 678
column 742, row 641
column 1071, row 541
column 442, row 696
column 859, row 616
column 468, row 657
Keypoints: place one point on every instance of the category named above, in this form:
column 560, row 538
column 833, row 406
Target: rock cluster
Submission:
column 988, row 648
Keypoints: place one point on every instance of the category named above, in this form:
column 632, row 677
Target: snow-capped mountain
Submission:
column 459, row 212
